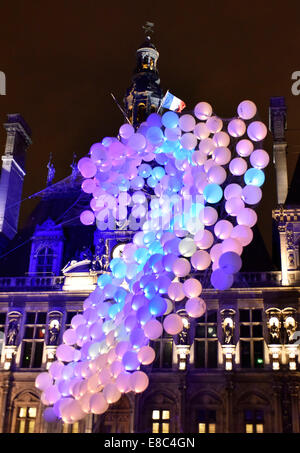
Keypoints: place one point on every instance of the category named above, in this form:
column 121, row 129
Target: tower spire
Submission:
column 144, row 95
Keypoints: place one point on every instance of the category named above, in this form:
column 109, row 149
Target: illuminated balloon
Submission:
column 251, row 194
column 257, row 131
column 201, row 260
column 221, row 155
column 203, row 110
column 223, row 229
column 243, row 234
column 232, row 191
column 236, row 128
column 254, row 177
column 212, row 193
column 139, row 381
column 247, row 217
column 230, row 262
column 187, row 123
column 201, row 131
column 234, row 205
column 246, row 110
column 238, row 166
column 195, row 307
column 244, row 148
column 220, row 280
column 173, row 324
column 192, row 287
column 259, row 158
column 214, row 124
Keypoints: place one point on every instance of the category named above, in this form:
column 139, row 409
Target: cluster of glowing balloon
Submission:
column 172, row 181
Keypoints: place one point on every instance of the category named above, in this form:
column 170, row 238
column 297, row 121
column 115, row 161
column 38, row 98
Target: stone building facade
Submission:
column 234, row 370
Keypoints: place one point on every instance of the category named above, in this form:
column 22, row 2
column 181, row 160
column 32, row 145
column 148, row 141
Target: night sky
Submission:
column 63, row 58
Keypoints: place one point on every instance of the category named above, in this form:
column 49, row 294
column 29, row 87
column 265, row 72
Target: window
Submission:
column 206, row 421
column 44, row 264
column 68, row 428
column 141, row 113
column 33, row 340
column 163, row 348
column 69, row 317
column 251, row 338
column 26, row 417
column 254, row 421
column 160, row 421
column 206, row 341
column 2, row 331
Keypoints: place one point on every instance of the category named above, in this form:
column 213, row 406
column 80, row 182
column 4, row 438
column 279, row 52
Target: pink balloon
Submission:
column 244, row 148
column 153, row 329
column 204, row 239
column 181, row 267
column 195, row 307
column 192, row 287
column 139, row 381
column 146, row 355
column 175, row 291
column 234, row 205
column 173, row 324
column 201, row 260
column 223, row 229
column 98, row 404
column 247, row 217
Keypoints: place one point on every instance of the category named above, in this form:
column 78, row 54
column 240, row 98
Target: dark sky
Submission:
column 63, row 58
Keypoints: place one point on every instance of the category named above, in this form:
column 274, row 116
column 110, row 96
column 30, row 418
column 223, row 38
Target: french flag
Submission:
column 171, row 102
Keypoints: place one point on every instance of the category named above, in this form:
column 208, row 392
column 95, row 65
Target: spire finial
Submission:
column 51, row 171
column 74, row 167
column 148, row 29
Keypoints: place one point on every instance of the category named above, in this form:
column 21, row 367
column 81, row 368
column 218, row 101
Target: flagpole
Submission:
column 124, row 113
column 162, row 101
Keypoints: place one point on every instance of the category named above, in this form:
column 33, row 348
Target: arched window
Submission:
column 45, row 259
column 26, row 413
column 141, row 113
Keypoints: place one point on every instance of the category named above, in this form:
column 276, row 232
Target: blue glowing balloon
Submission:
column 212, row 193
column 158, row 173
column 254, row 177
column 119, row 270
column 143, row 315
column 152, row 182
column 155, row 135
column 137, row 338
column 145, row 170
column 103, row 280
column 113, row 310
column 157, row 306
column 154, row 119
column 170, row 119
column 130, row 361
column 151, row 289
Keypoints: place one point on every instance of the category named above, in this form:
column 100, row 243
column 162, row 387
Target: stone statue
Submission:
column 53, row 334
column 13, row 329
column 51, row 171
column 290, row 330
column 274, row 333
column 228, row 333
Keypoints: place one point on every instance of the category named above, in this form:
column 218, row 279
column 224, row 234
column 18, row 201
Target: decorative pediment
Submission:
column 26, row 397
column 253, row 399
column 205, row 399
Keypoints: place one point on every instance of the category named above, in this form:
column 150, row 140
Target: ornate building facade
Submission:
column 233, row 370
